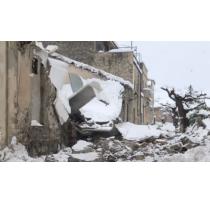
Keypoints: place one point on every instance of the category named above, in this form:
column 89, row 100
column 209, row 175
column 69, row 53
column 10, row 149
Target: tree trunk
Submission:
column 184, row 121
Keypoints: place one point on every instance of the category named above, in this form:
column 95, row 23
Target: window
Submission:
column 35, row 65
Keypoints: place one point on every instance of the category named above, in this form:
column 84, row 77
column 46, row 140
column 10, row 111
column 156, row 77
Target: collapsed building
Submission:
column 123, row 62
column 46, row 99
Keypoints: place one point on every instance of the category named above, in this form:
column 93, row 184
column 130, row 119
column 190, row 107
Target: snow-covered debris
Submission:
column 40, row 45
column 35, row 123
column 81, row 145
column 92, row 69
column 107, row 106
column 90, row 156
column 169, row 127
column 207, row 123
column 131, row 131
column 16, row 152
column 204, row 112
column 197, row 154
column 92, row 126
column 51, row 48
column 62, row 155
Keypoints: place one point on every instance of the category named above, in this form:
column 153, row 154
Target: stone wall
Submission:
column 119, row 64
column 148, row 99
column 160, row 115
column 3, row 93
column 82, row 51
column 15, row 91
column 26, row 96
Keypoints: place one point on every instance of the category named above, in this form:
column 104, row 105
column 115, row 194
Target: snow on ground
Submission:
column 197, row 154
column 135, row 132
column 90, row 156
column 17, row 152
column 62, row 155
column 131, row 131
column 169, row 127
column 207, row 123
column 194, row 145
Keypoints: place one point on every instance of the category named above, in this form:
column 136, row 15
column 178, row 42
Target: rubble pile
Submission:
column 169, row 146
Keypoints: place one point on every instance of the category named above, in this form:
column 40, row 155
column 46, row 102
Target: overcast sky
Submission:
column 176, row 64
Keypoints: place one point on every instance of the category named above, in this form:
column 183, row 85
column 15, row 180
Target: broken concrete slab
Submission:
column 81, row 97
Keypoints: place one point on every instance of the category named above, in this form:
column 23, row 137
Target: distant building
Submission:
column 148, row 96
column 161, row 115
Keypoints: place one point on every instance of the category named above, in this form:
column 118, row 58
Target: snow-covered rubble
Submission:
column 197, row 154
column 207, row 123
column 35, row 123
column 131, row 131
column 82, row 145
column 105, row 107
column 90, row 156
column 159, row 142
column 17, row 152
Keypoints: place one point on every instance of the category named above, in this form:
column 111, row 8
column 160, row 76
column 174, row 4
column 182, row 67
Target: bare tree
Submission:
column 184, row 104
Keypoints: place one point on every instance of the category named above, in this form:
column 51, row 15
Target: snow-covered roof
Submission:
column 121, row 50
column 92, row 69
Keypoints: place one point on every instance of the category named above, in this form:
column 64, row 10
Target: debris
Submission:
column 35, row 123
column 131, row 131
column 90, row 156
column 82, row 147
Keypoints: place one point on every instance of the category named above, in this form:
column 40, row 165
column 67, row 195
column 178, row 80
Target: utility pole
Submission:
column 131, row 45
